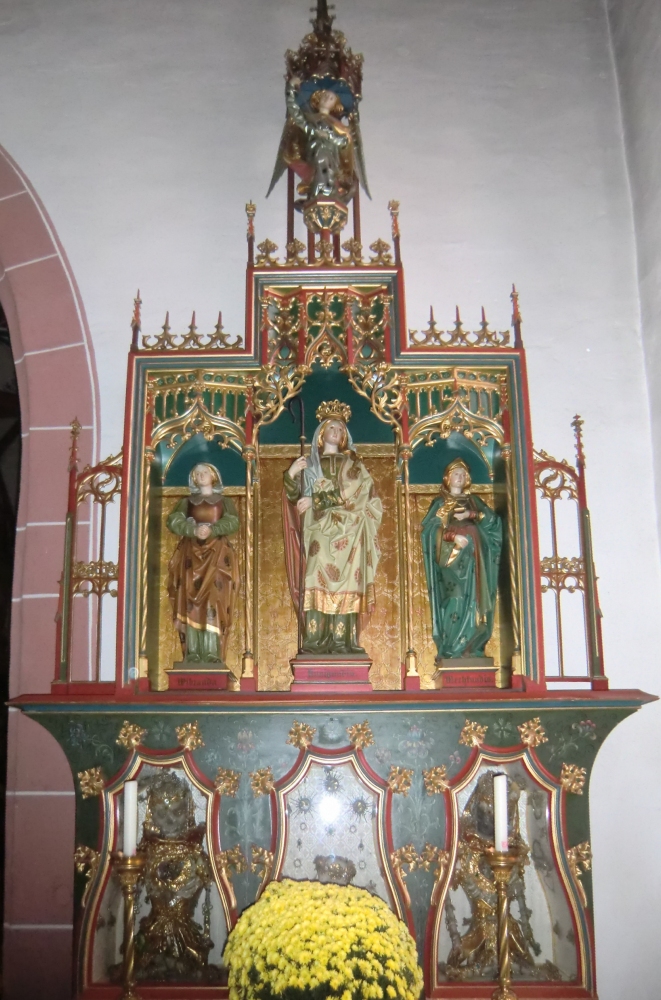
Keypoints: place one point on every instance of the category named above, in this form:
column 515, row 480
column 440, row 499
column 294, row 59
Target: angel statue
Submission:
column 325, row 152
column 203, row 571
column 329, row 499
column 461, row 544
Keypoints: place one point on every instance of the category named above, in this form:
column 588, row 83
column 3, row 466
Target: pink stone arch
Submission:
column 57, row 381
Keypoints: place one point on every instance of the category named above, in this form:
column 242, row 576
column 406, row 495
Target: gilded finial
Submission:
column 393, row 208
column 514, row 296
column 76, row 428
column 516, row 317
column 322, row 22
column 136, row 319
column 577, row 424
column 334, row 409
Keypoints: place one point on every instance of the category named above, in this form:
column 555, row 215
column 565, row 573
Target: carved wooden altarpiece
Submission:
column 387, row 784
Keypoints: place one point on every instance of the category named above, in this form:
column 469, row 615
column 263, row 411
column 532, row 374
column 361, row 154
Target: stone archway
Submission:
column 56, row 377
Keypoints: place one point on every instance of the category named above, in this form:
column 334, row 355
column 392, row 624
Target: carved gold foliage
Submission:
column 86, row 857
column 360, row 735
column 399, row 779
column 232, row 861
column 562, row 573
column 301, row 735
column 435, row 779
column 381, row 251
column 404, row 856
column 325, row 250
column 532, row 732
column 295, row 251
column 555, row 480
column 436, row 857
column 261, row 862
column 130, row 735
column 572, row 778
column 265, row 256
column 472, row 735
column 92, row 782
column 227, row 781
column 355, row 250
column 577, row 857
column 98, row 576
column 189, row 736
column 262, row 781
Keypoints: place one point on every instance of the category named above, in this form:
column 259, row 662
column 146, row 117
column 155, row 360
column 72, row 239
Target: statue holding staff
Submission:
column 330, row 508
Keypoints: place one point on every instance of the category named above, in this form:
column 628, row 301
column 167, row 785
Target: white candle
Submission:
column 130, row 818
column 500, row 812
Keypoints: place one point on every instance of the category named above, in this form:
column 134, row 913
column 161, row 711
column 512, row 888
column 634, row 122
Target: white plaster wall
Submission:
column 636, row 37
column 145, row 125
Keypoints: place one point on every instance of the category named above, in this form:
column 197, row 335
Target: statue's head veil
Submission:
column 457, row 463
column 314, row 470
column 217, row 479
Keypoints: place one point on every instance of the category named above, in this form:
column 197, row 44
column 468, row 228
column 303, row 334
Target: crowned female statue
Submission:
column 203, row 571
column 329, row 500
column 461, row 544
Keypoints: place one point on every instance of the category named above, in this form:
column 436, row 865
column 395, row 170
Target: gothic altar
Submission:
column 349, row 591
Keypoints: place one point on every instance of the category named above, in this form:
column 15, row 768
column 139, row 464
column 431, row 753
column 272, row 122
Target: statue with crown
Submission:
column 331, row 519
column 321, row 140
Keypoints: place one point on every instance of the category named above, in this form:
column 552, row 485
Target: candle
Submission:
column 130, row 818
column 500, row 812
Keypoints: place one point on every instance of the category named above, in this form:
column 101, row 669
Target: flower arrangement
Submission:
column 310, row 941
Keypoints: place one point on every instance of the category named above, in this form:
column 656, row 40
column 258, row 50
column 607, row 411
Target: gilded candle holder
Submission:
column 129, row 873
column 502, row 864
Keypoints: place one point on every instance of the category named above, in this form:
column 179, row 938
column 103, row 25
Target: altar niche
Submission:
column 196, row 577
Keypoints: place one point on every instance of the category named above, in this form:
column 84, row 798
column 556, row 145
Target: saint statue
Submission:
column 329, row 499
column 461, row 544
column 170, row 944
column 322, row 150
column 203, row 571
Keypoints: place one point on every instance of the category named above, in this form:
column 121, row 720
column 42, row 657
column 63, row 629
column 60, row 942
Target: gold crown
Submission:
column 335, row 409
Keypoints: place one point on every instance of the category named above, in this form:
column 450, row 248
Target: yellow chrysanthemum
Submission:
column 340, row 941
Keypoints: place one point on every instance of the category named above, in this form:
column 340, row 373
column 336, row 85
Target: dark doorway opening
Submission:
column 10, row 474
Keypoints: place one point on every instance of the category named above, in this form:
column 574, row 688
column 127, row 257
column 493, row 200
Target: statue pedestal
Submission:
column 198, row 677
column 469, row 672
column 331, row 673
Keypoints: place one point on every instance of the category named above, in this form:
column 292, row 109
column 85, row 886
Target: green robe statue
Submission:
column 462, row 581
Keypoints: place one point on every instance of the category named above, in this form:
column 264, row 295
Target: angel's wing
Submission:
column 288, row 141
column 361, row 173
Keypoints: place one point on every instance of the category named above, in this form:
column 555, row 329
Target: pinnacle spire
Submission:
column 322, row 22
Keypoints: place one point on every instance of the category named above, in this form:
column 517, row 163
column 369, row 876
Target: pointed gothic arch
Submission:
column 57, row 381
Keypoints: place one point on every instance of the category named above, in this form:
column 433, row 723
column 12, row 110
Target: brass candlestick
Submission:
column 129, row 873
column 502, row 863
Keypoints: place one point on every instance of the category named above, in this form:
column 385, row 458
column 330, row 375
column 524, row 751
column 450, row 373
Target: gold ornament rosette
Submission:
column 102, row 895
column 449, row 861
